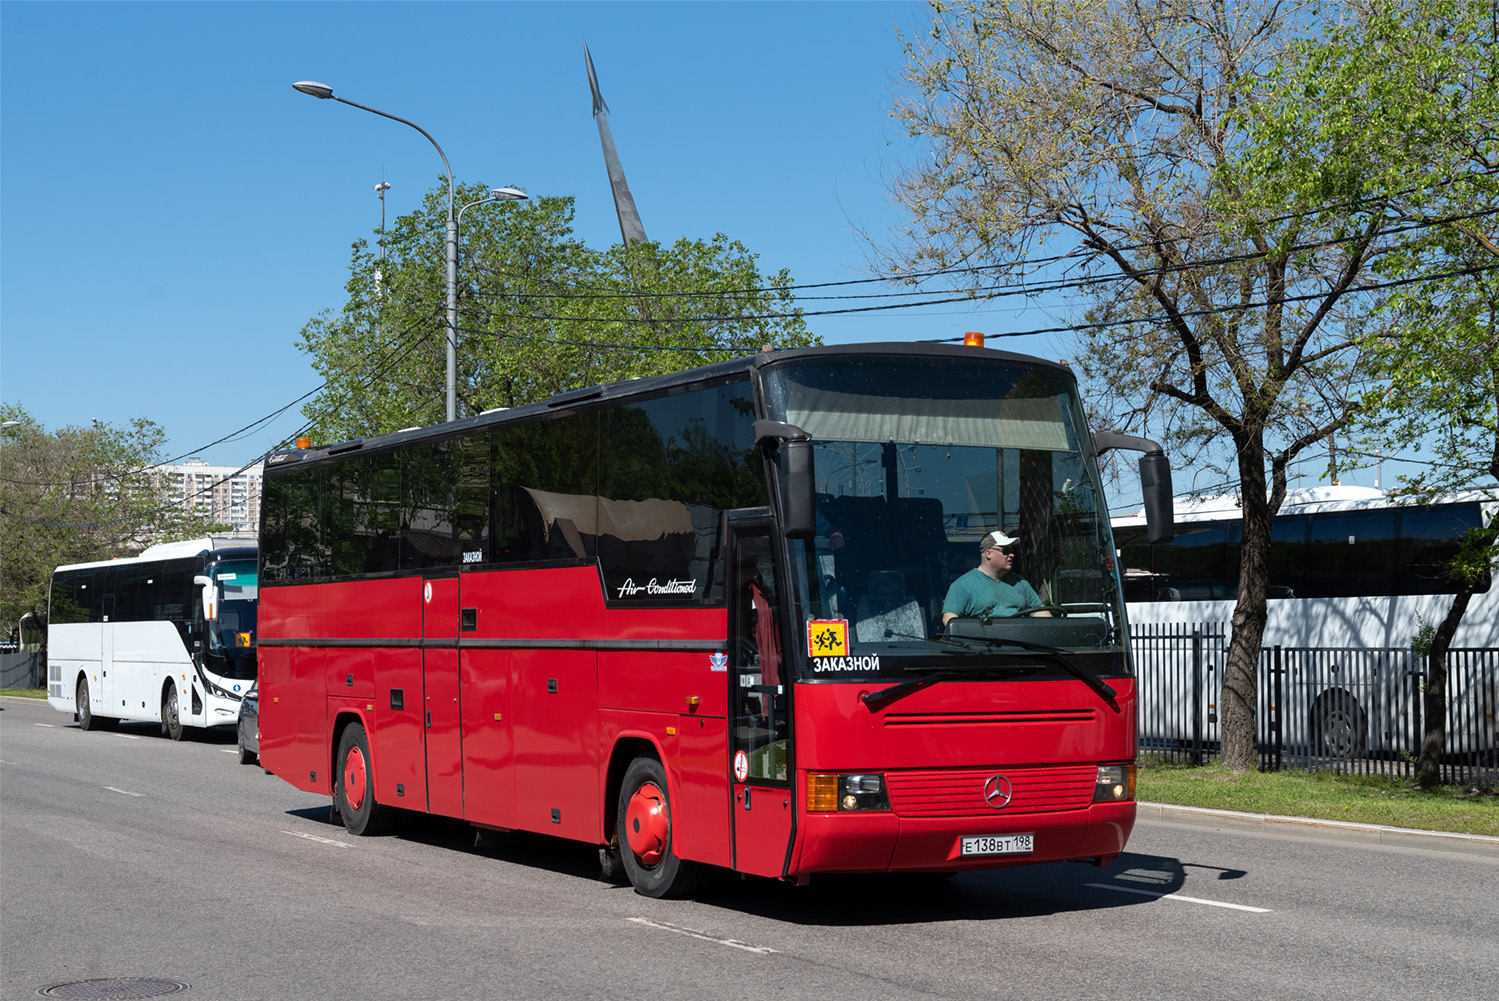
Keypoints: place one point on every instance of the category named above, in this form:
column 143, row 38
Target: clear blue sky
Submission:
column 173, row 211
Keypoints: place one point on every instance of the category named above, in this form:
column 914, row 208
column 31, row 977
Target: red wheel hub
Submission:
column 647, row 824
column 354, row 778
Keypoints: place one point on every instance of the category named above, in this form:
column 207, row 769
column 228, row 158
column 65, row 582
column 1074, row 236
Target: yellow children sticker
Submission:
column 827, row 638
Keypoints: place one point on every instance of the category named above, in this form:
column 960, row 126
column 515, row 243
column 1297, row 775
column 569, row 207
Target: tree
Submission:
column 76, row 495
column 539, row 313
column 1407, row 94
column 1219, row 314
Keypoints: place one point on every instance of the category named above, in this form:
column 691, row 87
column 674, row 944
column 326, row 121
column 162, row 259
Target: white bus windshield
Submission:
column 237, row 600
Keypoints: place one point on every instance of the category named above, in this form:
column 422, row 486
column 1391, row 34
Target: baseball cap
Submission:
column 994, row 539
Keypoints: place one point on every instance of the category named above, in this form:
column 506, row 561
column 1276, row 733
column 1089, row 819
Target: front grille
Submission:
column 960, row 792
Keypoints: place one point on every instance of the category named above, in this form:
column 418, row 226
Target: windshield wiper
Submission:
column 875, row 701
column 1056, row 655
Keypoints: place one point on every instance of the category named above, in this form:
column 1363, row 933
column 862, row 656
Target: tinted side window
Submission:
column 101, row 605
column 1136, row 563
column 1288, row 557
column 70, row 597
column 670, row 467
column 292, row 541
column 1351, row 553
column 134, row 587
column 1429, row 538
column 545, row 488
column 1193, row 566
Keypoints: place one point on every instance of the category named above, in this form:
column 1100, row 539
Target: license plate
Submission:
column 998, row 844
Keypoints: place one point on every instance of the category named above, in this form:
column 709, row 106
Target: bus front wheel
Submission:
column 354, row 785
column 644, row 827
column 171, row 717
column 86, row 718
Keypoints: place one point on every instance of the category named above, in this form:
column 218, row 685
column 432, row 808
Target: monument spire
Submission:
column 630, row 228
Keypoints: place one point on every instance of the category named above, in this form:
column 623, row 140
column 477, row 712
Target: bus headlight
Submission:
column 829, row 793
column 1116, row 783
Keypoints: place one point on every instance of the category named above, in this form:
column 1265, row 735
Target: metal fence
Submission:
column 1340, row 709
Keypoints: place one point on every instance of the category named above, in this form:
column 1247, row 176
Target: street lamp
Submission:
column 495, row 195
column 323, row 92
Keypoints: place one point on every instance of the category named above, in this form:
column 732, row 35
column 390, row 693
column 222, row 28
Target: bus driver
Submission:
column 992, row 588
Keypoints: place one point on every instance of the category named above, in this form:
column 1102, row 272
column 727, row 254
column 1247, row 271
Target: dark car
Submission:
column 249, row 727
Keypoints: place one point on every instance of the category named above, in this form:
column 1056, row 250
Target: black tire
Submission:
column 1340, row 725
column 246, row 756
column 171, row 715
column 353, row 765
column 644, row 830
column 86, row 718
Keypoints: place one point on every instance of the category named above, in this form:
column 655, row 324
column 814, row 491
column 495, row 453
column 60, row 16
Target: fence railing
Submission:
column 1342, row 709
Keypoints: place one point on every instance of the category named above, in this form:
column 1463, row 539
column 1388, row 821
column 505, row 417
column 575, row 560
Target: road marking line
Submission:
column 229, row 750
column 314, row 837
column 731, row 943
column 127, row 736
column 49, row 726
column 124, row 792
column 1181, row 897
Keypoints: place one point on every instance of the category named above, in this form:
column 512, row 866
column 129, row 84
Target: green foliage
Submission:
column 539, row 313
column 75, row 495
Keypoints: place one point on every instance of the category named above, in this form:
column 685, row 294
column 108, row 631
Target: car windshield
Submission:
column 917, row 460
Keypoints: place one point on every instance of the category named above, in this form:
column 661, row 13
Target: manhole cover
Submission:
column 115, row 987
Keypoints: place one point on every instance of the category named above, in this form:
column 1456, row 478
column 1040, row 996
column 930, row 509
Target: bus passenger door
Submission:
column 759, row 744
column 440, row 709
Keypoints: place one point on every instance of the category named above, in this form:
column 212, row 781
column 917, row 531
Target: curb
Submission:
column 1328, row 830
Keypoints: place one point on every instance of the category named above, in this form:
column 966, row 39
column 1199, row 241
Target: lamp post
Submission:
column 323, row 92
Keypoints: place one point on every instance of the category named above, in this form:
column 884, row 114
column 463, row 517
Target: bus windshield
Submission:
column 917, row 461
column 233, row 624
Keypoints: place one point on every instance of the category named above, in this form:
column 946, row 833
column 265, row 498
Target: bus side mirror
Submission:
column 206, row 583
column 1155, row 484
column 798, row 483
column 1155, row 481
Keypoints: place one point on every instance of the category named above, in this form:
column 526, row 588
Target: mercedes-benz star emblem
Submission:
column 998, row 791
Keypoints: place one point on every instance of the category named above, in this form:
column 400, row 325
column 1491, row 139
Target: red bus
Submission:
column 696, row 620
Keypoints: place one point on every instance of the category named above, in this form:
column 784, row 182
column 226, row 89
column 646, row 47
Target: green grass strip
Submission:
column 1361, row 799
column 25, row 693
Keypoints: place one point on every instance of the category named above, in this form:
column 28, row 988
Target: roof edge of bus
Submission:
column 170, row 550
column 1298, row 501
column 652, row 383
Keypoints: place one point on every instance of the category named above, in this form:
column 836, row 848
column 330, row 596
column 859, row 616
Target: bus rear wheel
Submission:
column 354, row 785
column 645, row 841
column 1340, row 725
column 171, row 717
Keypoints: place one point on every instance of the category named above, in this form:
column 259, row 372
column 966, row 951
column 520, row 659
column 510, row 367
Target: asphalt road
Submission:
column 125, row 855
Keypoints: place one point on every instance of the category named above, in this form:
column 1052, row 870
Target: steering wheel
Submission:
column 1056, row 610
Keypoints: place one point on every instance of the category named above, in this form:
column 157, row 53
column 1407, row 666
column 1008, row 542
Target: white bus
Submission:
column 1354, row 576
column 167, row 636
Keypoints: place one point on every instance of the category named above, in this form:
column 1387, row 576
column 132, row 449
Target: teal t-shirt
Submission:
column 976, row 593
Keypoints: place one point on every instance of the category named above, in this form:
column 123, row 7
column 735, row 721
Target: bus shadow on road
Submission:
column 535, row 851
column 851, row 900
column 988, row 895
